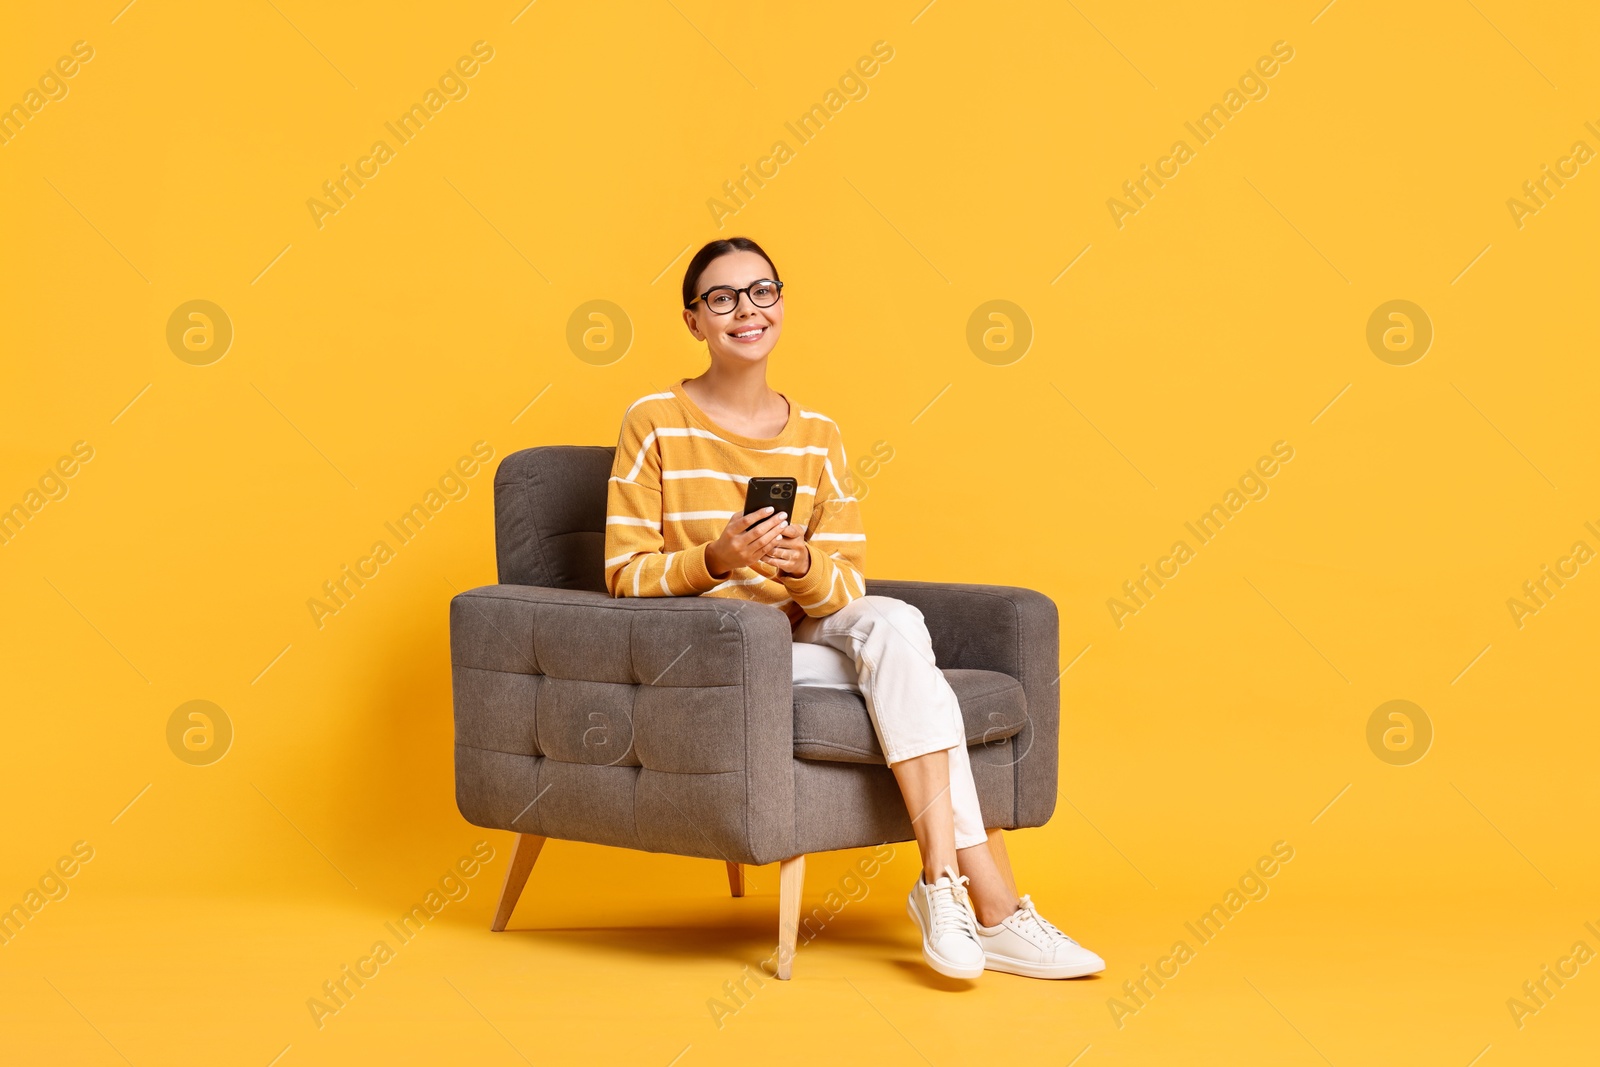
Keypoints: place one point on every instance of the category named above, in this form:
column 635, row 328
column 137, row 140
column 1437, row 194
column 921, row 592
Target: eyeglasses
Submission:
column 763, row 293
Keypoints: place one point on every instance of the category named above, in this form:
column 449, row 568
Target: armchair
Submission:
column 671, row 724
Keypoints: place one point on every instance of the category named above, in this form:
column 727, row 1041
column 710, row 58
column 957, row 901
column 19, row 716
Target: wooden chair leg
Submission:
column 736, row 878
column 791, row 880
column 523, row 854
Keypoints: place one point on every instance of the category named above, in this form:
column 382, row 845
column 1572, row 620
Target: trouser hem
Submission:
column 970, row 843
column 933, row 746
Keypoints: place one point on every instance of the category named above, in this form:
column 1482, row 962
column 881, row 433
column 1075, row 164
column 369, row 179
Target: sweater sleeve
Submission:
column 838, row 540
column 635, row 564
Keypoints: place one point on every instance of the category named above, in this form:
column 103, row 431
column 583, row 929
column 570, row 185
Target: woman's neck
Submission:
column 741, row 389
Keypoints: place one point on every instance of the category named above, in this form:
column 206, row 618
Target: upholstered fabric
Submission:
column 638, row 715
column 550, row 516
column 832, row 724
column 672, row 724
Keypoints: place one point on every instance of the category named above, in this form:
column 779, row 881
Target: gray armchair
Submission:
column 671, row 724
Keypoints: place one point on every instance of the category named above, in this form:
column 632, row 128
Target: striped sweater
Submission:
column 677, row 480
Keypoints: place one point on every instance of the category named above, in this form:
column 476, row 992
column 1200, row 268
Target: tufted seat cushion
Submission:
column 832, row 724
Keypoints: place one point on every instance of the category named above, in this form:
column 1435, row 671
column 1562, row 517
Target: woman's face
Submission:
column 747, row 333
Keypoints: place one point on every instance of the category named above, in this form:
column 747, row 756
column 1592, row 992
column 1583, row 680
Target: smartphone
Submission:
column 776, row 493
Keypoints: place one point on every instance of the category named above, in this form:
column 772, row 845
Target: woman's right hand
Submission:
column 738, row 547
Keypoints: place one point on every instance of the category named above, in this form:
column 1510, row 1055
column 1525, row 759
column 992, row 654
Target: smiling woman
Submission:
column 676, row 525
column 686, row 455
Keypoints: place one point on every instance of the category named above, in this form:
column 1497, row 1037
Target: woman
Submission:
column 675, row 527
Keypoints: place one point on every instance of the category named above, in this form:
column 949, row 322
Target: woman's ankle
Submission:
column 993, row 913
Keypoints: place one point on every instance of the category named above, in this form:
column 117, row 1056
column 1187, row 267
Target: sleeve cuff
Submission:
column 696, row 572
column 817, row 581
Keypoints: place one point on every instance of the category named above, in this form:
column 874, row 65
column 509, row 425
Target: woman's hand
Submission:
column 790, row 553
column 738, row 547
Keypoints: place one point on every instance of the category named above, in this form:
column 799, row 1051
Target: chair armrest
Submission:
column 692, row 697
column 1014, row 631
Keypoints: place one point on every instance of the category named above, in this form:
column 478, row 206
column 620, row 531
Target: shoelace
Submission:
column 1029, row 915
column 948, row 904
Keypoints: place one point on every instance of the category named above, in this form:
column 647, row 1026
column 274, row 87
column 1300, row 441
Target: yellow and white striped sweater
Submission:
column 677, row 480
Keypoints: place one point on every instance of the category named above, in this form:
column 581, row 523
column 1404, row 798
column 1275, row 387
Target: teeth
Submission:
column 748, row 333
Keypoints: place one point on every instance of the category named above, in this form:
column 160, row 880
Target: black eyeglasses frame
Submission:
column 736, row 294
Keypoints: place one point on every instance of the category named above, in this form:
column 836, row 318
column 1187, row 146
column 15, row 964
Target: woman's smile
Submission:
column 745, row 334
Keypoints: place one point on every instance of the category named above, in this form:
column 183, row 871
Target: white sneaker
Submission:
column 949, row 929
column 1027, row 943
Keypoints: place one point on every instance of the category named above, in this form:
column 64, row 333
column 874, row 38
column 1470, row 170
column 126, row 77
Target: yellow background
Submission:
column 428, row 313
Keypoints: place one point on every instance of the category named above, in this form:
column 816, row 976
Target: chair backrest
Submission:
column 550, row 516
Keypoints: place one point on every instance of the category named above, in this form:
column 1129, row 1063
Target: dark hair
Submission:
column 716, row 250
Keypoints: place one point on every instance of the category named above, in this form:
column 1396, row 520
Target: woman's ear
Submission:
column 690, row 321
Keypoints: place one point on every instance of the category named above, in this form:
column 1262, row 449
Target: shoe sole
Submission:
column 1007, row 965
column 938, row 963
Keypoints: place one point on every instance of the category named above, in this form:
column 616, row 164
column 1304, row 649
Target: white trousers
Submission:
column 879, row 646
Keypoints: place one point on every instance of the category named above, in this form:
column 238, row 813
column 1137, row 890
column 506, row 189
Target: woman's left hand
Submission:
column 790, row 554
